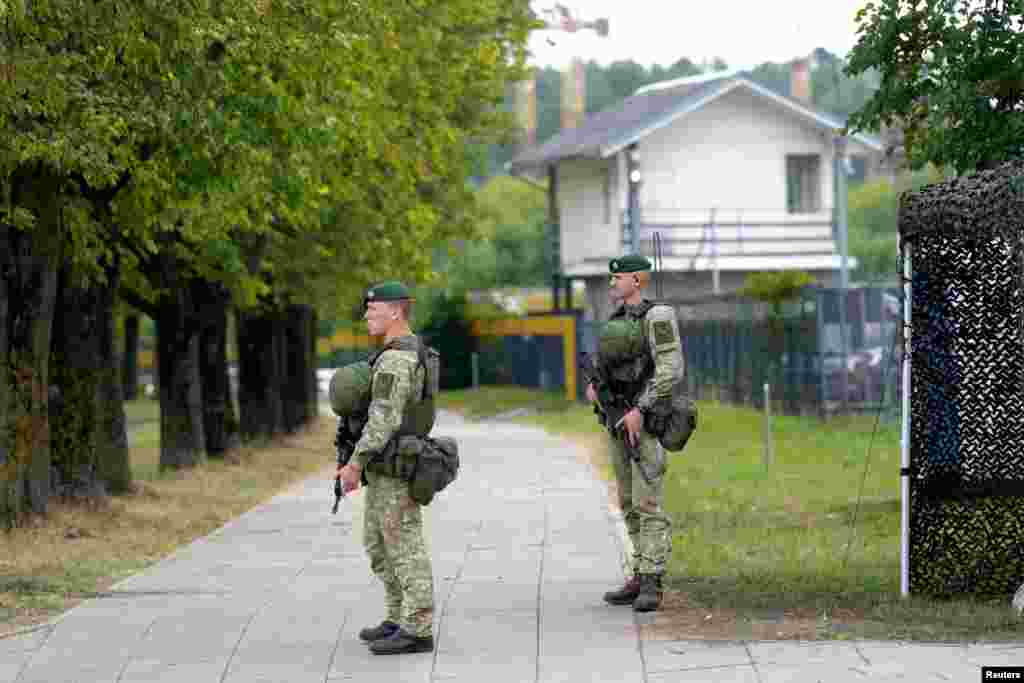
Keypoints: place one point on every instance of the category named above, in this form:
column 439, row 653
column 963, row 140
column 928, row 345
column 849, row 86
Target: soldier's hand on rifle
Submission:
column 633, row 421
column 351, row 477
column 591, row 393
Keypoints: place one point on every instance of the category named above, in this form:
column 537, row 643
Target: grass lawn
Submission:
column 807, row 547
column 53, row 562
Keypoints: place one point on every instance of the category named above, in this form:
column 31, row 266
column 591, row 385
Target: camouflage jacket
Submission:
column 396, row 380
column 661, row 332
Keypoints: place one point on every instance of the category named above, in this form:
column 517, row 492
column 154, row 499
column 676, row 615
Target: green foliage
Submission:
column 510, row 246
column 776, row 288
column 294, row 152
column 949, row 76
column 873, row 223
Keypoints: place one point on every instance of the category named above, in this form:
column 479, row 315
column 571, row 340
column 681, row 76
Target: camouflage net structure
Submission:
column 966, row 238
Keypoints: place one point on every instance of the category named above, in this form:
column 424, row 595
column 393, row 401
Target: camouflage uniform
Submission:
column 650, row 529
column 393, row 522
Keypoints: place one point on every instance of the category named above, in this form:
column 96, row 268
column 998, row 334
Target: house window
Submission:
column 803, row 183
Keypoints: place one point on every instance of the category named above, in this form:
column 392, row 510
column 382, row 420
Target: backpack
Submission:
column 672, row 421
column 429, row 465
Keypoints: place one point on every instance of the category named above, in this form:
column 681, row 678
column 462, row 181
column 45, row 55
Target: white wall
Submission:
column 732, row 155
column 582, row 210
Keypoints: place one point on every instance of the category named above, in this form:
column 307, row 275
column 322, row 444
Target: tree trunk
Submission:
column 114, row 465
column 313, row 395
column 259, row 383
column 29, row 261
column 181, row 413
column 130, row 359
column 219, row 423
column 298, row 370
column 90, row 441
column 74, row 375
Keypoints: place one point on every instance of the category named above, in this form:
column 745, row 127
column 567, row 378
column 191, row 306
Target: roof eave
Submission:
column 550, row 160
column 822, row 121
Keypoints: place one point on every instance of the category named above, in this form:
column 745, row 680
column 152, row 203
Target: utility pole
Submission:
column 839, row 180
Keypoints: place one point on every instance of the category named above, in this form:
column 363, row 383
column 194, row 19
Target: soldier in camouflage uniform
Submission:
column 393, row 523
column 638, row 458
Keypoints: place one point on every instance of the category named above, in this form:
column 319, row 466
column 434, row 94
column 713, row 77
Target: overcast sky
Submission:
column 744, row 33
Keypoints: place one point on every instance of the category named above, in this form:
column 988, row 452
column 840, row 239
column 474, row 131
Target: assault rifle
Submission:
column 606, row 407
column 344, row 446
column 611, row 411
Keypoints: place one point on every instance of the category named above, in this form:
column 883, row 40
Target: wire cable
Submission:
column 878, row 416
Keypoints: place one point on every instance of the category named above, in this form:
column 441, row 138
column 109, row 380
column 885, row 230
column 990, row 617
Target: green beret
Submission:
column 388, row 291
column 630, row 263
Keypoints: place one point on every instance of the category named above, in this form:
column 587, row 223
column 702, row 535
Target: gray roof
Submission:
column 604, row 133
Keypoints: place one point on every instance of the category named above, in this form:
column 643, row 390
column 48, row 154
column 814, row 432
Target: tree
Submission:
column 950, row 76
column 873, row 224
column 165, row 139
column 508, row 247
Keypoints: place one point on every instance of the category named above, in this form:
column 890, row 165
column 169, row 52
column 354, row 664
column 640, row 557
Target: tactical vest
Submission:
column 418, row 417
column 628, row 378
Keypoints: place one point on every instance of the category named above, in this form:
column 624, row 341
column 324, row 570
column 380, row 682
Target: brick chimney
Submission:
column 800, row 79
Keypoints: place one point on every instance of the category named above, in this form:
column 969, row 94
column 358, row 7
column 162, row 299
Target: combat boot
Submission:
column 649, row 597
column 625, row 595
column 382, row 630
column 401, row 642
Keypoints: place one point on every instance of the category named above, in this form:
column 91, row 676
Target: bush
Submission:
column 440, row 317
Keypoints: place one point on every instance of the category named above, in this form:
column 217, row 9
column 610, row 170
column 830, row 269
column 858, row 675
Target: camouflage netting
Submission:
column 967, row 383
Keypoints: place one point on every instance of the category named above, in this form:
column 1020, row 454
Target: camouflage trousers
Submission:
column 650, row 529
column 393, row 537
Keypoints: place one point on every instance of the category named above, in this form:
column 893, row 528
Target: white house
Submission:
column 734, row 177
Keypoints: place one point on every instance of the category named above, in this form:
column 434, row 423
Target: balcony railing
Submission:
column 725, row 233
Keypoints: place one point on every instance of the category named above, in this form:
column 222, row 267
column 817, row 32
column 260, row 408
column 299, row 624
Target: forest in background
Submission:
column 607, row 86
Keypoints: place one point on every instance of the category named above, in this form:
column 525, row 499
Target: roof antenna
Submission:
column 657, row 265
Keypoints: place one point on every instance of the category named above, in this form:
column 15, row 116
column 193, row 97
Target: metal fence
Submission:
column 734, row 346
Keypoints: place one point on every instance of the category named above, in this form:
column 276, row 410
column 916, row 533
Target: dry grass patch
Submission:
column 53, row 562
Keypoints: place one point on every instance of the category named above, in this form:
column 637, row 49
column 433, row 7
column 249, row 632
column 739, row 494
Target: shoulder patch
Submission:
column 663, row 332
column 383, row 385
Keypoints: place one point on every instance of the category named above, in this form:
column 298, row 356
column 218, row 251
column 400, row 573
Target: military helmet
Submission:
column 620, row 340
column 349, row 391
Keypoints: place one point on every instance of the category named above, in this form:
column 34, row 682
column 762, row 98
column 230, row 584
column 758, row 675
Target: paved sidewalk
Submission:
column 523, row 545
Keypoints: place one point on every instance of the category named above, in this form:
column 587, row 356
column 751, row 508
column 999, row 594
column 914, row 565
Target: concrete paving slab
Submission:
column 740, row 673
column 160, row 671
column 990, row 654
column 694, row 654
column 595, row 664
column 474, row 595
column 24, row 642
column 839, row 654
column 11, row 664
column 105, row 673
column 354, row 661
